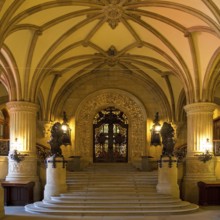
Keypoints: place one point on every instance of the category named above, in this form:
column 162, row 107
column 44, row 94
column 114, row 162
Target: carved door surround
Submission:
column 121, row 100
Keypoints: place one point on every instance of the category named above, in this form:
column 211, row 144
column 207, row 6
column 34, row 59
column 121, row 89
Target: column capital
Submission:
column 22, row 106
column 200, row 107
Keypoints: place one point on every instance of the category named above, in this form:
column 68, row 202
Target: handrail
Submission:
column 180, row 152
column 42, row 152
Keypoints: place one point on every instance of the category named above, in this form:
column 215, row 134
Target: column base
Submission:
column 25, row 171
column 196, row 171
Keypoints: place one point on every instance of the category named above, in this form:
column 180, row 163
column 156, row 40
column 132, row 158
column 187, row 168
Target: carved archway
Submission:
column 124, row 101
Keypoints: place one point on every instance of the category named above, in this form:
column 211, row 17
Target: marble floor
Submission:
column 204, row 213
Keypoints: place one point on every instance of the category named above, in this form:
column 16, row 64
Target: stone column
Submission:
column 56, row 177
column 23, row 139
column 168, row 177
column 199, row 128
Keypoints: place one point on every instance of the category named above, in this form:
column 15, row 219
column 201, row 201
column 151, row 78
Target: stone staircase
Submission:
column 111, row 189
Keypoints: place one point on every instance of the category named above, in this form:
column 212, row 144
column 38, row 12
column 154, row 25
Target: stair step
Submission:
column 111, row 190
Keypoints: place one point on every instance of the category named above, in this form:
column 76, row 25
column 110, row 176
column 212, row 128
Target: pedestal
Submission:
column 146, row 163
column 73, row 163
column 55, row 177
column 167, row 177
column 2, row 211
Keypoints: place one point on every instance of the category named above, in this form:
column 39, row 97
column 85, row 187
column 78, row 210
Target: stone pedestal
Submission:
column 2, row 211
column 55, row 177
column 73, row 163
column 146, row 163
column 168, row 177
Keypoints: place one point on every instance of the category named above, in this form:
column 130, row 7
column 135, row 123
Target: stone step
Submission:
column 111, row 190
column 109, row 206
column 163, row 209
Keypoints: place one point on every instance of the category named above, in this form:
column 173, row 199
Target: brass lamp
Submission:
column 205, row 156
column 155, row 131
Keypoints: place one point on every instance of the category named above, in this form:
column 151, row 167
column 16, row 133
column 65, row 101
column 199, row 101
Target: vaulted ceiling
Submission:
column 49, row 45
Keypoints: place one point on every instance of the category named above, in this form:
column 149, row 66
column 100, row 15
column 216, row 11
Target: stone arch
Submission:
column 123, row 101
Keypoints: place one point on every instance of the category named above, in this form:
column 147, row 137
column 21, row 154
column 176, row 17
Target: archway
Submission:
column 100, row 100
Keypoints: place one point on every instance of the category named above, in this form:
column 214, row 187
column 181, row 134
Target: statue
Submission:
column 56, row 140
column 60, row 135
column 167, row 134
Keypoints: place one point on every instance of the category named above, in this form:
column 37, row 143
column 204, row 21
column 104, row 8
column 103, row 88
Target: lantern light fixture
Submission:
column 155, row 131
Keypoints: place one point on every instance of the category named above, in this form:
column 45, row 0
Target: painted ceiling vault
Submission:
column 172, row 45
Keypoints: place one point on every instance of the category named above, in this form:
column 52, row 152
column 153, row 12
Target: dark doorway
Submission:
column 110, row 136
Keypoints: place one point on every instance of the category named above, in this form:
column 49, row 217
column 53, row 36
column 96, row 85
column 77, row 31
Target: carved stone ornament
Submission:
column 113, row 13
column 27, row 167
column 85, row 116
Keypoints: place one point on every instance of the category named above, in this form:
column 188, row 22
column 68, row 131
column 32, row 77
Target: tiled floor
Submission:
column 204, row 213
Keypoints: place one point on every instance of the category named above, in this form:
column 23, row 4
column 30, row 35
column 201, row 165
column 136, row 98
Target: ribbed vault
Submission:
column 48, row 46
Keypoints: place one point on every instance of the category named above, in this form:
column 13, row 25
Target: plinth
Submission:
column 55, row 177
column 167, row 177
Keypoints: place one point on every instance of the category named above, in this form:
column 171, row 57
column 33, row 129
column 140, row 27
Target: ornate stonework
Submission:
column 26, row 168
column 201, row 107
column 113, row 13
column 132, row 109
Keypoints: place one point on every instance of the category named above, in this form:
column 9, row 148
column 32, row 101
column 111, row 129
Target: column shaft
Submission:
column 199, row 128
column 23, row 128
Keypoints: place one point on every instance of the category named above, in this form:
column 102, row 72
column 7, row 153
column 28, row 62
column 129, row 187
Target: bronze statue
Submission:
column 56, row 139
column 167, row 134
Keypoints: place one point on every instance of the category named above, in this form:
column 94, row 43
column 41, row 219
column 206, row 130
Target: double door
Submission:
column 110, row 138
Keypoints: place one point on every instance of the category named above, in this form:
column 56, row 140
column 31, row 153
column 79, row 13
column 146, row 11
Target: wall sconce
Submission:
column 15, row 155
column 66, row 131
column 60, row 135
column 155, row 131
column 205, row 156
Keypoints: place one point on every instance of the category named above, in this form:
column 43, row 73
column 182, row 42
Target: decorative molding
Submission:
column 136, row 120
column 196, row 168
column 27, row 167
column 22, row 106
column 200, row 107
column 113, row 13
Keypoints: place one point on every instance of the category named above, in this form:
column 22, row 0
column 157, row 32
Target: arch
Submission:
column 122, row 100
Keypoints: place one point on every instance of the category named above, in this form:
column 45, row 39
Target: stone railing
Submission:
column 180, row 152
column 42, row 152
